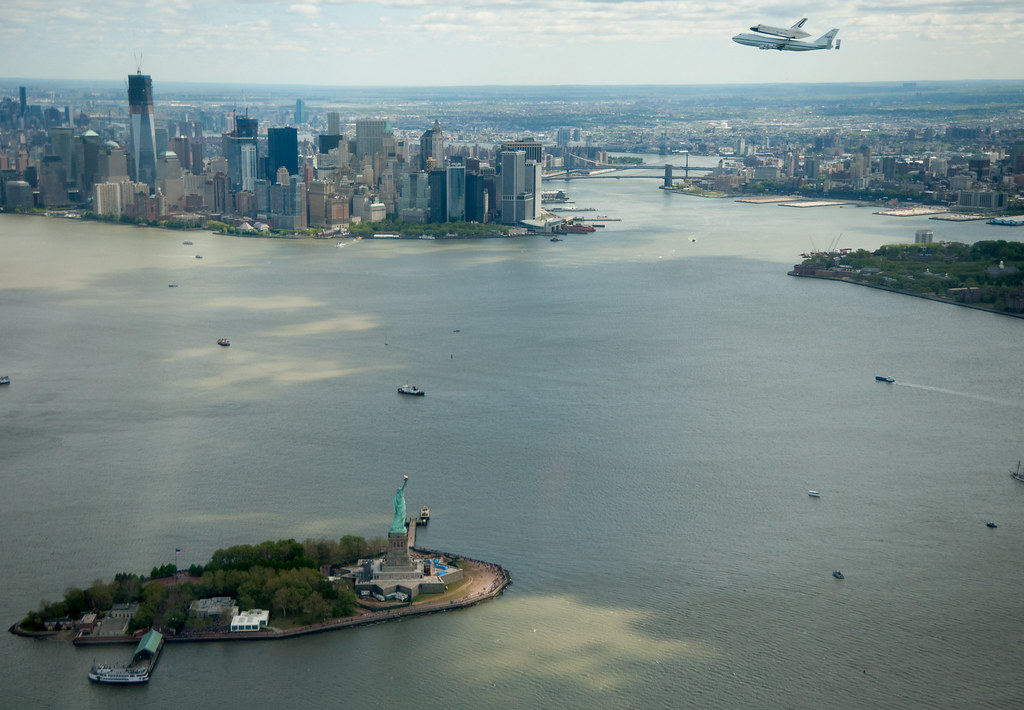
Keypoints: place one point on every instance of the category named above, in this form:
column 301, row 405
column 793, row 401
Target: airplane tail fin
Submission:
column 826, row 39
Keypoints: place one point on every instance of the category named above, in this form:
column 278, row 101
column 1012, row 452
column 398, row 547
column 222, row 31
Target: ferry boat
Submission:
column 575, row 228
column 424, row 516
column 814, row 494
column 883, row 378
column 120, row 676
column 411, row 390
column 223, row 341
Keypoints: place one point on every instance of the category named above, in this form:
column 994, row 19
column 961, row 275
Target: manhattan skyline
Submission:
column 468, row 42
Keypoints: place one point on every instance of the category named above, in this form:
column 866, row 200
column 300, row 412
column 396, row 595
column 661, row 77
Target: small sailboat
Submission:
column 1017, row 472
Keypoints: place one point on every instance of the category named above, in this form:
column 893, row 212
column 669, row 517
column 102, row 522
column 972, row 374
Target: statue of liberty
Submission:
column 398, row 526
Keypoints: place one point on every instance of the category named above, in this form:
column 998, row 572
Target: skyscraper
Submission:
column 143, row 132
column 513, row 186
column 432, row 146
column 455, row 193
column 333, row 123
column 282, row 150
column 370, row 136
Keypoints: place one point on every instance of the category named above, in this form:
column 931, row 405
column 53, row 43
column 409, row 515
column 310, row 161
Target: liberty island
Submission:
column 396, row 586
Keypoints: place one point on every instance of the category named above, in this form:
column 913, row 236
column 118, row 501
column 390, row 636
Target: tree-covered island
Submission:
column 284, row 577
column 987, row 274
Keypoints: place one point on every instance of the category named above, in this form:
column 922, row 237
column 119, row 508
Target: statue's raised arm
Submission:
column 398, row 524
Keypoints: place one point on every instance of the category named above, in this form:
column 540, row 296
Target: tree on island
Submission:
column 280, row 575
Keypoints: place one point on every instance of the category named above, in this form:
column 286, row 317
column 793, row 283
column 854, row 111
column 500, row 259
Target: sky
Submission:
column 517, row 42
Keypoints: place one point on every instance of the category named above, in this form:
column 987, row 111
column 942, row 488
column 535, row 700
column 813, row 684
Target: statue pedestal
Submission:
column 397, row 557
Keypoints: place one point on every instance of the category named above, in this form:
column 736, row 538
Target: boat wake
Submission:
column 968, row 395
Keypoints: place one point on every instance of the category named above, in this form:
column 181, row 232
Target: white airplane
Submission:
column 794, row 32
column 761, row 41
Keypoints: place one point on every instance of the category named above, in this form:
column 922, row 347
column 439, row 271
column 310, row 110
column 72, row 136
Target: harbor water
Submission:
column 627, row 420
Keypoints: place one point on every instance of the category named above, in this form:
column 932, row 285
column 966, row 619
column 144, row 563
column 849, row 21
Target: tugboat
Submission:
column 411, row 390
column 223, row 341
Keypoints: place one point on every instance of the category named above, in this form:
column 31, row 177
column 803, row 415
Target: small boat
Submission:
column 814, row 494
column 121, row 676
column 1017, row 472
column 187, row 243
column 990, row 524
column 838, row 575
column 424, row 516
column 555, row 239
column 223, row 341
column 883, row 378
column 172, row 285
column 411, row 390
column 199, row 256
column 5, row 380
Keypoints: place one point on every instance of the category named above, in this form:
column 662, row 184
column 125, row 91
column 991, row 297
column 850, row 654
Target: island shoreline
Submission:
column 927, row 297
column 489, row 581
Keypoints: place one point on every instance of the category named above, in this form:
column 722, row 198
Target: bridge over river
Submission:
column 615, row 172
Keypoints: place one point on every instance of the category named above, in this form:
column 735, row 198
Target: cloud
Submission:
column 304, row 9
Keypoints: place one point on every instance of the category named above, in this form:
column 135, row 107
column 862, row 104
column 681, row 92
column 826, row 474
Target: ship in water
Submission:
column 1017, row 472
column 120, row 676
column 554, row 196
column 576, row 228
column 140, row 668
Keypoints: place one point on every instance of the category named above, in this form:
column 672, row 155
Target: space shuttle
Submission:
column 794, row 32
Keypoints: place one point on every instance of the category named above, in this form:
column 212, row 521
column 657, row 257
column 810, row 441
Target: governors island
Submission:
column 273, row 590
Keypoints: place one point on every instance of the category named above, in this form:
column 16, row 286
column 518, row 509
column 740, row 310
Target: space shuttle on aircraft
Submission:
column 786, row 39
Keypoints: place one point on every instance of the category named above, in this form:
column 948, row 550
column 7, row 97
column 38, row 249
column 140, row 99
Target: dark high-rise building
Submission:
column 432, row 148
column 300, row 111
column 476, row 198
column 328, row 142
column 23, row 99
column 143, row 132
column 282, row 150
column 246, row 127
column 438, row 182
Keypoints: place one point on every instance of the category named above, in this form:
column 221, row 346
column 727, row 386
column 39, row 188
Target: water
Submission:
column 628, row 420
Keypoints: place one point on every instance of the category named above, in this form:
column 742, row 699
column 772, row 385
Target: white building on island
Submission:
column 252, row 620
